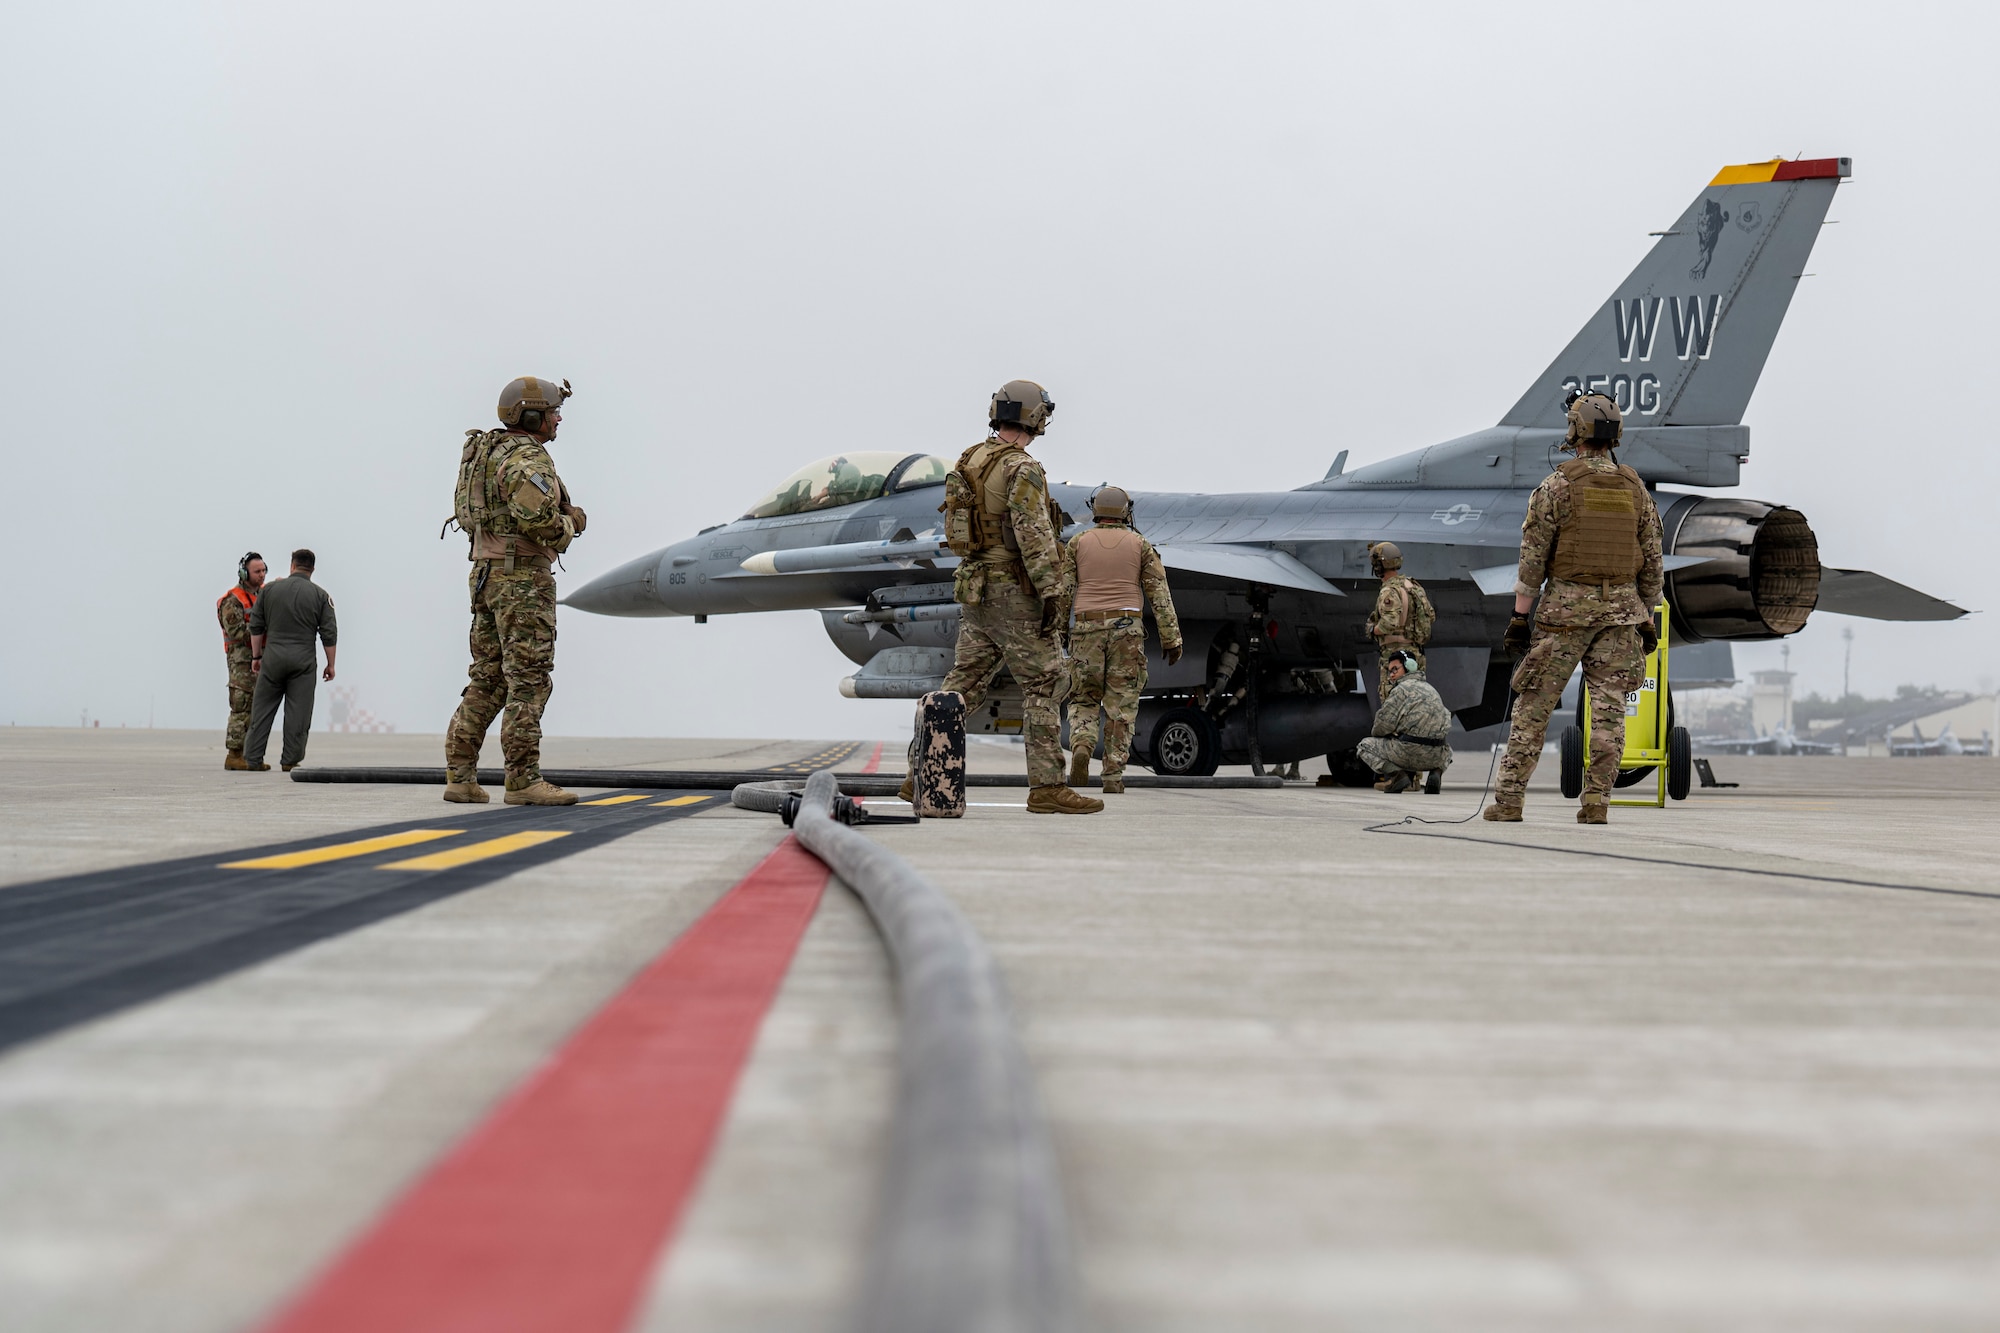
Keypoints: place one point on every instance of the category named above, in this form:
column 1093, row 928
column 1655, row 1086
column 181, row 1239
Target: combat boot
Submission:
column 1593, row 812
column 466, row 793
column 908, row 791
column 1056, row 799
column 257, row 768
column 1395, row 782
column 235, row 762
column 1114, row 786
column 540, row 792
column 1079, row 768
column 287, row 767
column 1501, row 813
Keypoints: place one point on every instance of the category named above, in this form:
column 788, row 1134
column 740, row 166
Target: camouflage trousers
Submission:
column 1382, row 666
column 1107, row 663
column 513, row 656
column 1004, row 628
column 1613, row 665
column 242, row 687
column 1387, row 755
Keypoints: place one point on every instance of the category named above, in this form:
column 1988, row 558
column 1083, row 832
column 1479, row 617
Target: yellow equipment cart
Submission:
column 1653, row 744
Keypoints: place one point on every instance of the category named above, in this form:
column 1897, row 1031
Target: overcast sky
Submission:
column 265, row 263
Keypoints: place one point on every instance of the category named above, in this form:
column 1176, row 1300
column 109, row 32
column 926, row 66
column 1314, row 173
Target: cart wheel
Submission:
column 1680, row 764
column 1434, row 783
column 1571, row 750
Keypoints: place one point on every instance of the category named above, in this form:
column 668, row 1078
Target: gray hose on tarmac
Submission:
column 971, row 1235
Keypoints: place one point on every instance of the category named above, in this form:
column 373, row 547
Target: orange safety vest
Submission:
column 241, row 594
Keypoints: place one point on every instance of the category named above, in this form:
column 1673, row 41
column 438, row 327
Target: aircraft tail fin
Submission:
column 1683, row 339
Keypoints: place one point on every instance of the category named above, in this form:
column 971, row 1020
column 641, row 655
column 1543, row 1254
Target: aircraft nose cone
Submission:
column 629, row 590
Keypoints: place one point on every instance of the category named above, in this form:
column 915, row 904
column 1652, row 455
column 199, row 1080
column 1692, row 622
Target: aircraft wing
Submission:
column 1496, row 579
column 1858, row 592
column 1252, row 564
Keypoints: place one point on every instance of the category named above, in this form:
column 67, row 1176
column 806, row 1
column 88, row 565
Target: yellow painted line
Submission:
column 679, row 800
column 340, row 851
column 615, row 800
column 478, row 851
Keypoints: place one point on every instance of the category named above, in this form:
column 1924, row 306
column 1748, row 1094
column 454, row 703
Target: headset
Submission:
column 243, row 566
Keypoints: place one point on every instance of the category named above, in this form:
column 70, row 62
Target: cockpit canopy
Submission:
column 847, row 479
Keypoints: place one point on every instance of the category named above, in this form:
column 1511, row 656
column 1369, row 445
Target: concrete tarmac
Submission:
column 1300, row 1076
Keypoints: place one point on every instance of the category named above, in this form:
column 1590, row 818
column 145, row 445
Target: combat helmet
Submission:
column 1111, row 502
column 1385, row 556
column 1594, row 418
column 1022, row 403
column 524, row 401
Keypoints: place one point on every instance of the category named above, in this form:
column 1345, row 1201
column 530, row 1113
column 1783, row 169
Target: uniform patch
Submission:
column 540, row 485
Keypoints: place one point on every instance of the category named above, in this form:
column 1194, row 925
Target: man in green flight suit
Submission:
column 285, row 620
column 519, row 516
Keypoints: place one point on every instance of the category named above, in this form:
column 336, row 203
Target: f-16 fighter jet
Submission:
column 1273, row 587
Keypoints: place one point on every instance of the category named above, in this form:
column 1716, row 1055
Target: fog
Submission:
column 265, row 264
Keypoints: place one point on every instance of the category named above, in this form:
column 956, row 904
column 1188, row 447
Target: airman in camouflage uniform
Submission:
column 232, row 609
column 1110, row 575
column 1408, row 739
column 1403, row 615
column 520, row 517
column 1593, row 533
column 1009, row 584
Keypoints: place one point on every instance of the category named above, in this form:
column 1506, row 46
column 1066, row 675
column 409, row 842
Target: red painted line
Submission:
column 552, row 1213
column 874, row 760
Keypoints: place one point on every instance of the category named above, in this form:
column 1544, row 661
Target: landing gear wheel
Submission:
column 1571, row 750
column 1185, row 744
column 1434, row 783
column 1680, row 763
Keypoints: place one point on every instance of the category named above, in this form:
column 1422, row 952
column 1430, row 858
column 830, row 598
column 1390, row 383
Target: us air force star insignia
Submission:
column 1457, row 514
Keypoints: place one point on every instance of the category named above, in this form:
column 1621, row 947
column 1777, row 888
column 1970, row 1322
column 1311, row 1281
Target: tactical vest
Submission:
column 1108, row 561
column 494, row 532
column 973, row 523
column 1418, row 616
column 1599, row 541
column 977, row 521
column 243, row 598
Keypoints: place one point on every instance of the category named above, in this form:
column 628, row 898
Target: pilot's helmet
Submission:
column 1593, row 419
column 1022, row 403
column 525, row 401
column 1385, row 556
column 1111, row 502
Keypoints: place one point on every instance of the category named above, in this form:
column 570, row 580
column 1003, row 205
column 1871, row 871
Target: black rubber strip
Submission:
column 83, row 946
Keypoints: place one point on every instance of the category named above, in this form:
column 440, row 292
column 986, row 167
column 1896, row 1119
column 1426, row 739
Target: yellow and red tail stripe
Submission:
column 1781, row 169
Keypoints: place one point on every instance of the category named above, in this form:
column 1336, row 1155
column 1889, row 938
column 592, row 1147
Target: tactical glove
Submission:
column 1649, row 636
column 1515, row 642
column 1172, row 654
column 577, row 517
column 1051, row 613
